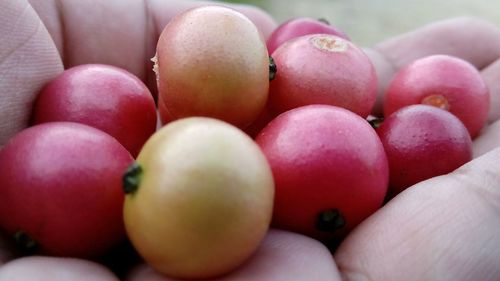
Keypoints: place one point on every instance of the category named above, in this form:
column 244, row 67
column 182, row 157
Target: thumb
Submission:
column 282, row 256
column 445, row 228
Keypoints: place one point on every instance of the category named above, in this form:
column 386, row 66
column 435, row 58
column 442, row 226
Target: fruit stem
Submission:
column 272, row 69
column 330, row 220
column 132, row 178
column 376, row 122
column 24, row 242
column 323, row 20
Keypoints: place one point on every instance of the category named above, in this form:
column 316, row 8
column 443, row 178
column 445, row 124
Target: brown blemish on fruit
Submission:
column 156, row 69
column 438, row 101
column 329, row 43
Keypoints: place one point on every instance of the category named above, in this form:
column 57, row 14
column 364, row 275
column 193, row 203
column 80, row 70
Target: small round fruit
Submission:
column 322, row 69
column 298, row 27
column 421, row 142
column 443, row 81
column 329, row 167
column 199, row 198
column 102, row 96
column 212, row 61
column 60, row 189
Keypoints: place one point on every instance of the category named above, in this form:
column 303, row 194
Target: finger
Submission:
column 471, row 39
column 384, row 70
column 28, row 59
column 123, row 33
column 488, row 140
column 54, row 269
column 282, row 256
column 111, row 32
column 491, row 75
column 445, row 228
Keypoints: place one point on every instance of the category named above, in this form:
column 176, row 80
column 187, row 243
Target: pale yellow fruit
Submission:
column 212, row 61
column 204, row 199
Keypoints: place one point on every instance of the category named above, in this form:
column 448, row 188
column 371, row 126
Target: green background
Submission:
column 370, row 21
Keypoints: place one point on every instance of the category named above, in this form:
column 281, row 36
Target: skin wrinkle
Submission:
column 63, row 51
column 19, row 18
column 142, row 29
column 443, row 254
column 48, row 11
column 35, row 54
column 483, row 185
column 452, row 255
column 490, row 75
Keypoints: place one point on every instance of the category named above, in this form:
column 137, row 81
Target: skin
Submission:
column 447, row 227
column 55, row 268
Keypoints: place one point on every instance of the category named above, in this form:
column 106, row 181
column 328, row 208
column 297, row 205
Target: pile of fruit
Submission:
column 249, row 135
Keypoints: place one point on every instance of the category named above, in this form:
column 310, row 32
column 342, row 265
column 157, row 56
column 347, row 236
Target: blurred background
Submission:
column 370, row 21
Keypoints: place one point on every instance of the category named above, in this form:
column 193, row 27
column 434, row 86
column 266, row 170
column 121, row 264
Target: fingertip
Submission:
column 473, row 39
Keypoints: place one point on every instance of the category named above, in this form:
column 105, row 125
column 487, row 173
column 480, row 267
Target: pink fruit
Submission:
column 298, row 27
column 421, row 142
column 443, row 81
column 322, row 69
column 329, row 167
column 61, row 187
column 212, row 61
column 102, row 96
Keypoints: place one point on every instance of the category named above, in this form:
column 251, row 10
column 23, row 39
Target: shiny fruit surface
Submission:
column 60, row 189
column 212, row 61
column 201, row 198
column 329, row 167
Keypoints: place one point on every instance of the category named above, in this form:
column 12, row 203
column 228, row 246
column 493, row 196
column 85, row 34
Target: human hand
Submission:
column 120, row 33
column 425, row 233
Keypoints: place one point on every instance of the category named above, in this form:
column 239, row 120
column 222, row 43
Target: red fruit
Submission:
column 102, row 96
column 329, row 167
column 421, row 142
column 60, row 185
column 298, row 27
column 443, row 81
column 322, row 69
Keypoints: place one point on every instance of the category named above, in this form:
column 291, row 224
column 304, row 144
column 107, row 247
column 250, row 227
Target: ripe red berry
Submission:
column 421, row 142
